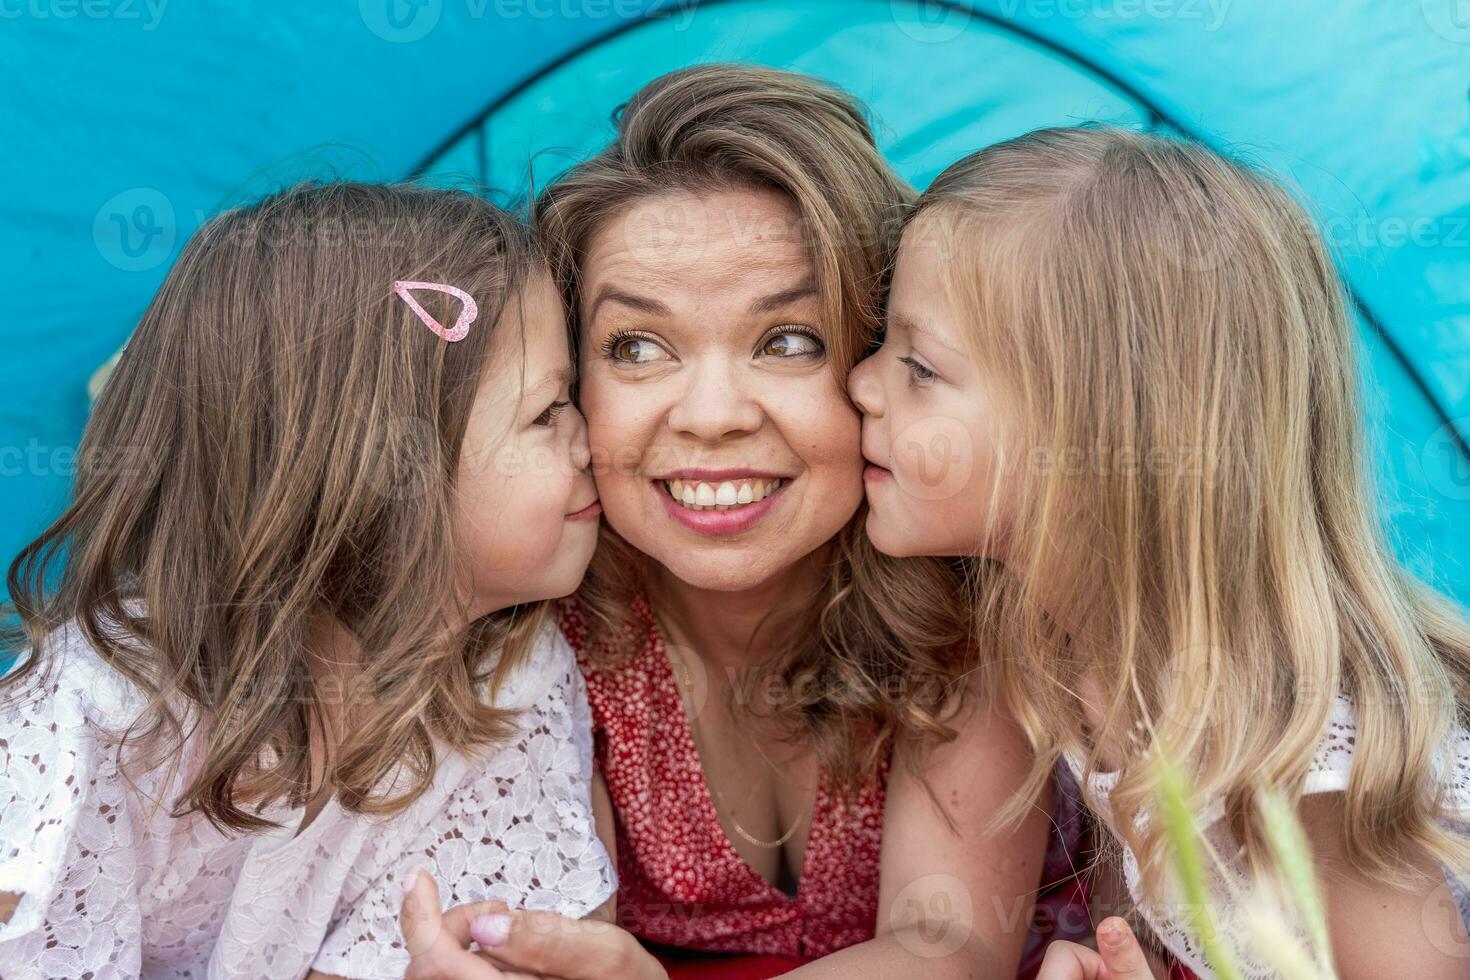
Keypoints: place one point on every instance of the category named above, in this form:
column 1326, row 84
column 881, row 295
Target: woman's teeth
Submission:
column 720, row 496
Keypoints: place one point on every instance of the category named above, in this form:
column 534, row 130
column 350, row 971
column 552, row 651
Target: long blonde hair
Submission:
column 885, row 641
column 1186, row 478
column 279, row 441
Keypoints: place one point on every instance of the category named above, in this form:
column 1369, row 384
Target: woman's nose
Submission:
column 864, row 388
column 716, row 404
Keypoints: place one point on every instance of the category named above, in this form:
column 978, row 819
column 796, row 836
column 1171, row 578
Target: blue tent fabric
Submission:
column 129, row 123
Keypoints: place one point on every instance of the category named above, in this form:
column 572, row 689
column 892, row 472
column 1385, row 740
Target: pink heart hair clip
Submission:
column 466, row 315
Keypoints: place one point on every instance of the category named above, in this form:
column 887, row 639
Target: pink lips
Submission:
column 586, row 513
column 717, row 523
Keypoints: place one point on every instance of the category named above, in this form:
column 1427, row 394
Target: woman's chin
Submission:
column 736, row 570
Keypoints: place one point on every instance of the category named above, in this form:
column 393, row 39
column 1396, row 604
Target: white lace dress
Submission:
column 114, row 887
column 1329, row 773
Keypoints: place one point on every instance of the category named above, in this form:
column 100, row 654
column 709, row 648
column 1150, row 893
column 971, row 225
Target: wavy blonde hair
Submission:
column 279, row 441
column 884, row 643
column 1185, row 476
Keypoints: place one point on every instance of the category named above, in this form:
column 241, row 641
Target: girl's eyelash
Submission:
column 917, row 371
column 552, row 413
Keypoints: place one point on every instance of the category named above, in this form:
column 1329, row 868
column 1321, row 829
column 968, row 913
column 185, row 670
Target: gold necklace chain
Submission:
column 686, row 688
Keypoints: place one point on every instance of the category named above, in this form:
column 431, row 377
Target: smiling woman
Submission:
column 706, row 370
column 771, row 697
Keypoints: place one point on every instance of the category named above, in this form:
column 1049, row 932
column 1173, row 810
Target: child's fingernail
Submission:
column 1113, row 935
column 409, row 880
column 490, row 929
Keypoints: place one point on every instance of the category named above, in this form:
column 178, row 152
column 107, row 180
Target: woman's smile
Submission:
column 708, row 382
column 719, row 502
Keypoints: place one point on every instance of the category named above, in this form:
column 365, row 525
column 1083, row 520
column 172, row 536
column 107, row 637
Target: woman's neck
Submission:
column 734, row 630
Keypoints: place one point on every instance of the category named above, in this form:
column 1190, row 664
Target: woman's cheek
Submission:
column 628, row 446
column 823, row 422
column 615, row 432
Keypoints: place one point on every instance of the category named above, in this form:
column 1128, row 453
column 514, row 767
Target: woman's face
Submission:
column 932, row 427
column 723, row 445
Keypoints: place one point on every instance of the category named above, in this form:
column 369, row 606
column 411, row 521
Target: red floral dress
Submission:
column 684, row 887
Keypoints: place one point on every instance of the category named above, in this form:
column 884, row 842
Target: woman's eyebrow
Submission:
column 774, row 301
column 643, row 304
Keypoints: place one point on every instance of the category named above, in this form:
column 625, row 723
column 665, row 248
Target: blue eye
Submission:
column 630, row 348
column 918, row 373
column 793, row 342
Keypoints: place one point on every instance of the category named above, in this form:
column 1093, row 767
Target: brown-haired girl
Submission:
column 289, row 641
column 1140, row 354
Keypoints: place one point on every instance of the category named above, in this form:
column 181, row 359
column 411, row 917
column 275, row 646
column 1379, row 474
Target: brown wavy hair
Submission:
column 1188, row 477
column 885, row 643
column 279, row 441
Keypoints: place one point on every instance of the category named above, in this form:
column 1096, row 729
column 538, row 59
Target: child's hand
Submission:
column 1121, row 958
column 438, row 942
column 546, row 944
column 513, row 945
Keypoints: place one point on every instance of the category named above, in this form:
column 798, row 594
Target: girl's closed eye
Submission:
column 551, row 413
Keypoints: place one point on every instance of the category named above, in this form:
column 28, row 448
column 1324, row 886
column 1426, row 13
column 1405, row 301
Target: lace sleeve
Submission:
column 67, row 839
column 518, row 828
column 1333, row 762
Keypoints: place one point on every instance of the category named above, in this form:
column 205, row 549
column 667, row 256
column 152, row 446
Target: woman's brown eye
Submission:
column 792, row 343
column 631, row 349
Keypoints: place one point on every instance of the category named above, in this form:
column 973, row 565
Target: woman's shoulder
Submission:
column 600, row 651
column 571, row 621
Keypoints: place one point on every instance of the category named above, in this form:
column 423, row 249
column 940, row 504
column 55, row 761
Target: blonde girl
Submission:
column 288, row 642
column 1119, row 375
